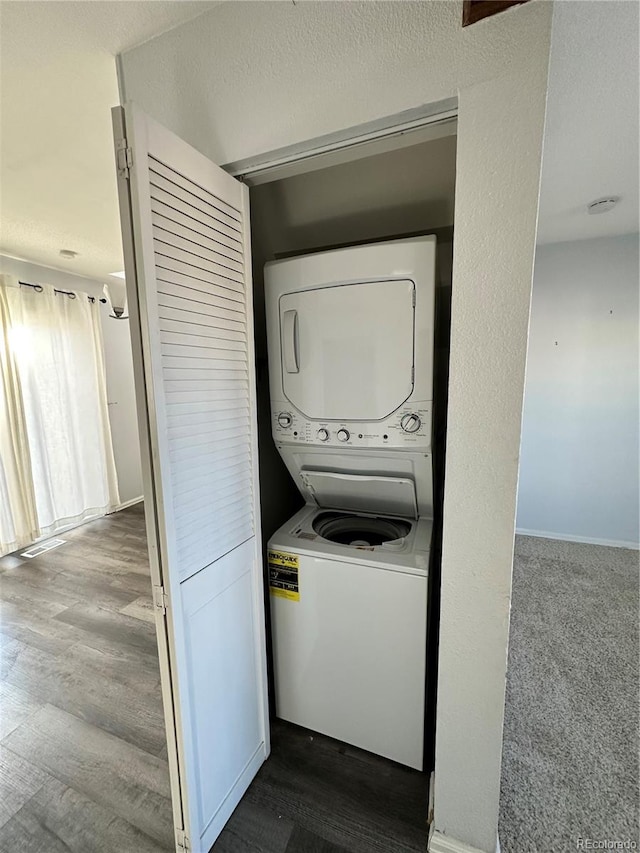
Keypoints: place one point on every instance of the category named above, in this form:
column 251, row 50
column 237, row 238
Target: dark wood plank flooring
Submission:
column 82, row 744
column 318, row 795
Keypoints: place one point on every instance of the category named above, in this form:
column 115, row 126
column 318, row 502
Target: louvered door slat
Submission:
column 220, row 204
column 223, row 223
column 190, row 469
column 179, row 398
column 192, row 502
column 198, row 308
column 212, row 455
column 197, row 261
column 199, row 480
column 196, row 321
column 222, row 508
column 209, row 413
column 184, row 351
column 173, row 186
column 195, row 554
column 195, row 479
column 224, row 244
column 213, row 441
column 193, row 241
column 166, row 264
column 195, row 551
column 196, row 248
column 171, row 203
column 211, row 369
column 201, row 300
column 205, row 335
column 202, row 492
column 203, row 425
column 189, row 488
column 175, row 344
column 165, row 276
column 217, row 440
column 183, row 385
column 199, row 297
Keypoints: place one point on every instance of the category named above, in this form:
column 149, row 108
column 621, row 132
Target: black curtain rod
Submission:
column 39, row 288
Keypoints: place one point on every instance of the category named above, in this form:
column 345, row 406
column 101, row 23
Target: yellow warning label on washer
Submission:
column 283, row 575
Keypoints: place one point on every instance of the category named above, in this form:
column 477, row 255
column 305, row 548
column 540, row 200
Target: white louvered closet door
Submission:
column 185, row 226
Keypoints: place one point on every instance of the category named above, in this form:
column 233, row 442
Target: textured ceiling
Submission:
column 57, row 185
column 58, row 84
column 591, row 133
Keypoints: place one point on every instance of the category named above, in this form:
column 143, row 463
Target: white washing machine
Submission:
column 349, row 626
column 350, row 337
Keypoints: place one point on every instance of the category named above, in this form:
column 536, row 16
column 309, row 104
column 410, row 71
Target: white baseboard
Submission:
column 570, row 537
column 128, row 503
column 441, row 843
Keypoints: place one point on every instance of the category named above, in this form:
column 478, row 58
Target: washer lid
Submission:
column 362, row 492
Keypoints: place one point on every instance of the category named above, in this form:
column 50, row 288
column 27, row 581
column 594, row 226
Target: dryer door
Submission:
column 347, row 350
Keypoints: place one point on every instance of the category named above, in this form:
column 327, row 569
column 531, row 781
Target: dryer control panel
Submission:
column 409, row 427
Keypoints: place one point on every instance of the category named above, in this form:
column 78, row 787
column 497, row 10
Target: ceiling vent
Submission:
column 603, row 205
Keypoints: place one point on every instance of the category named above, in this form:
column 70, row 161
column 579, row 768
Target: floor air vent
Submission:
column 42, row 547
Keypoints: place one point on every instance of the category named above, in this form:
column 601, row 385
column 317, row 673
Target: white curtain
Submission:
column 55, row 347
column 18, row 518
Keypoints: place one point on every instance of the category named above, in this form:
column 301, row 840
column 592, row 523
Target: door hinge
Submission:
column 182, row 842
column 124, row 158
column 160, row 599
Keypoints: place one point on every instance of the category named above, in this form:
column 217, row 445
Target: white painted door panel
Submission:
column 218, row 615
column 185, row 229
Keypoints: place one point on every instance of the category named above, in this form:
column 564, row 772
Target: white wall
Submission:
column 579, row 457
column 119, row 370
column 248, row 77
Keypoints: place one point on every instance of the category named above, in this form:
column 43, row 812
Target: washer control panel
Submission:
column 408, row 427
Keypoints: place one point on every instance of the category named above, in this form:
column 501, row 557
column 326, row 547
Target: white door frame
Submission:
column 409, row 127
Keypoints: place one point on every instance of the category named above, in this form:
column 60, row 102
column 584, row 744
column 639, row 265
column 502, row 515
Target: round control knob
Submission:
column 343, row 435
column 410, row 423
column 284, row 419
column 323, row 434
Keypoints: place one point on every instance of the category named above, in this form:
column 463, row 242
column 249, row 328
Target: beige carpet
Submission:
column 570, row 757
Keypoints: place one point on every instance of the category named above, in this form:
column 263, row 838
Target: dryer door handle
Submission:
column 290, row 341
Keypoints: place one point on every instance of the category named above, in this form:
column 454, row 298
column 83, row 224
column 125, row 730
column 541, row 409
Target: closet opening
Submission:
column 401, row 190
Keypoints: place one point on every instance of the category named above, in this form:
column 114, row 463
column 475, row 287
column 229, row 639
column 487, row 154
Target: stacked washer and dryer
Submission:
column 350, row 339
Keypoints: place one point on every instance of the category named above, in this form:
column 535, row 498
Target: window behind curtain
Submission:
column 56, row 343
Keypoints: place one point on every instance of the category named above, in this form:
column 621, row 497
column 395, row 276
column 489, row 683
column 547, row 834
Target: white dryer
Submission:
column 350, row 341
